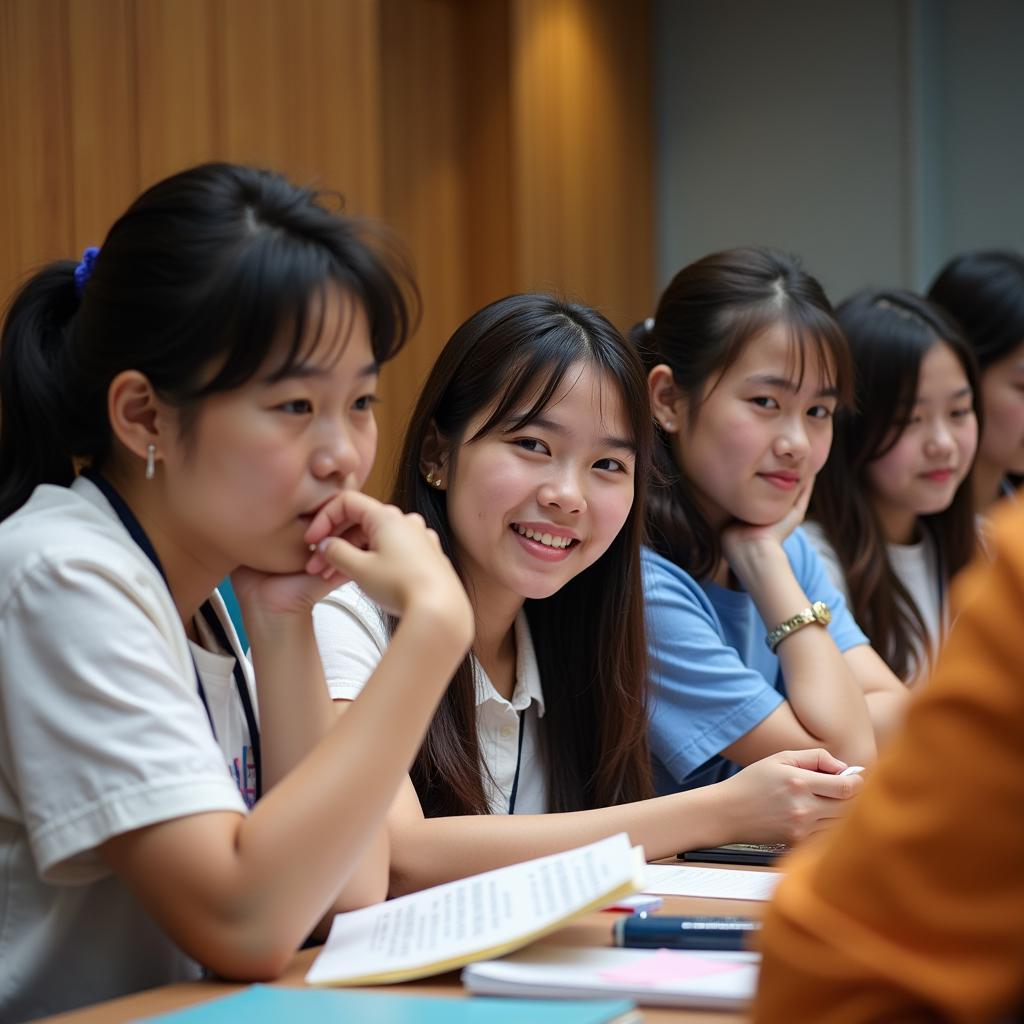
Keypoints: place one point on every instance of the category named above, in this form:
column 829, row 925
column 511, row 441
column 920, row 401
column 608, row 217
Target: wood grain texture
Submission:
column 489, row 223
column 299, row 92
column 506, row 142
column 423, row 179
column 104, row 131
column 177, row 73
column 35, row 136
column 581, row 100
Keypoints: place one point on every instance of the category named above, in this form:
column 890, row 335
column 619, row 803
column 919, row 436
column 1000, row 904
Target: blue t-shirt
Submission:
column 713, row 676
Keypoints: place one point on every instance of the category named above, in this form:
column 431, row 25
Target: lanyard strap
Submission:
column 136, row 532
column 519, row 763
column 221, row 636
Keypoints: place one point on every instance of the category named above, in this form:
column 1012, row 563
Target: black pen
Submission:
column 667, row 932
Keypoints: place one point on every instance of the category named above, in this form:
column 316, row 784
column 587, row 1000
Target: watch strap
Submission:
column 818, row 612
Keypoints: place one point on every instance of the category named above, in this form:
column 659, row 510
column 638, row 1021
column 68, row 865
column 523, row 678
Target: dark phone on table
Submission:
column 737, row 853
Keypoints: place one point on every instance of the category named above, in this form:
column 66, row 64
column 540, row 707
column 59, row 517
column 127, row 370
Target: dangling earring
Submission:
column 150, row 461
column 430, row 477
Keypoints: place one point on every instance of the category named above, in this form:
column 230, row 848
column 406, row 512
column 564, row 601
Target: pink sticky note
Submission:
column 667, row 965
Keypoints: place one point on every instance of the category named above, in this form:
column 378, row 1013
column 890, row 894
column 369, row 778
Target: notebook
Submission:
column 661, row 977
column 476, row 918
column 262, row 1004
column 720, row 883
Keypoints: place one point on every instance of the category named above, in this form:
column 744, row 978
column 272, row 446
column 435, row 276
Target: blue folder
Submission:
column 264, row 1004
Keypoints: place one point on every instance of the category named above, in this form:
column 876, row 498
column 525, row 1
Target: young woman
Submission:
column 211, row 372
column 893, row 518
column 984, row 293
column 752, row 649
column 527, row 452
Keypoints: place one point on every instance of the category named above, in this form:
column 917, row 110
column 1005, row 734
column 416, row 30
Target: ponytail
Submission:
column 34, row 411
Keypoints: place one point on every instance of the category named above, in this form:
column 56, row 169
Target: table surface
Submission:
column 592, row 930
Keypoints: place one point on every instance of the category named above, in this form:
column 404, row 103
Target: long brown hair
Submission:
column 589, row 636
column 705, row 318
column 889, row 334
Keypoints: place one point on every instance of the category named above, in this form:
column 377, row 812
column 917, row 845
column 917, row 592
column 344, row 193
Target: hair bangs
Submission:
column 273, row 296
column 817, row 339
column 534, row 377
column 373, row 267
column 278, row 286
column 891, row 332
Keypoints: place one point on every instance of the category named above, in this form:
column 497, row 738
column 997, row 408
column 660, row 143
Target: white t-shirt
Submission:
column 916, row 566
column 352, row 638
column 101, row 731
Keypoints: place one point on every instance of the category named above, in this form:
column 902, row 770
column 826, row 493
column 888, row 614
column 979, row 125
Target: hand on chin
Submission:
column 263, row 593
column 738, row 534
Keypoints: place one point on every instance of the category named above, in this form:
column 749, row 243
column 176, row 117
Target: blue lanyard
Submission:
column 135, row 530
column 519, row 762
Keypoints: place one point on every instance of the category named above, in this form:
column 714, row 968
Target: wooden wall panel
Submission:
column 423, row 175
column 490, row 217
column 507, row 142
column 35, row 139
column 104, row 133
column 300, row 92
column 581, row 100
column 177, row 72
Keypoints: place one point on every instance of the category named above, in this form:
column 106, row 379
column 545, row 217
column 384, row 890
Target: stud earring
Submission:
column 430, row 477
column 669, row 425
column 150, row 461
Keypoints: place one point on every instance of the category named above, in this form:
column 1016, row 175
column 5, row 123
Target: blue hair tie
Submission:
column 84, row 269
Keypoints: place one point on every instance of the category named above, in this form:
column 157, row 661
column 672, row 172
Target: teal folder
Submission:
column 263, row 1004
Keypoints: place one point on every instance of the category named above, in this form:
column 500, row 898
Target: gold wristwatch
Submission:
column 818, row 612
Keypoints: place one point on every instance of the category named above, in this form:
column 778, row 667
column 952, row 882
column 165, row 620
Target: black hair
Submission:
column 984, row 293
column 194, row 287
column 706, row 316
column 589, row 636
column 889, row 333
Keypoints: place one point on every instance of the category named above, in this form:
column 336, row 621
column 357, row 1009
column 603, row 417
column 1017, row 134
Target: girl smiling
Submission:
column 893, row 511
column 752, row 648
column 527, row 453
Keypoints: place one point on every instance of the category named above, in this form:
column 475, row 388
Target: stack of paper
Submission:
column 663, row 977
column 719, row 883
column 476, row 918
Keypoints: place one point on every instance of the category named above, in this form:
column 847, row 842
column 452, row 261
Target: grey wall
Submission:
column 873, row 138
column 982, row 141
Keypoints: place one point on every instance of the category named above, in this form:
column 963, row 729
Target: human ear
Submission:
column 434, row 456
column 138, row 418
column 667, row 404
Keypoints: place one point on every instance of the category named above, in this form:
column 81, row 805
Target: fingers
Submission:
column 318, row 563
column 834, row 787
column 804, row 499
column 343, row 511
column 809, row 812
column 351, row 516
column 817, row 759
column 339, row 555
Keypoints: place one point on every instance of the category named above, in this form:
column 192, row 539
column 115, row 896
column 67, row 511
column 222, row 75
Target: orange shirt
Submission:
column 913, row 907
